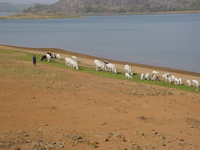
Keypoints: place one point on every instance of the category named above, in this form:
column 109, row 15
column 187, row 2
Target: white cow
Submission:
column 147, row 76
column 176, row 81
column 155, row 72
column 195, row 83
column 128, row 76
column 188, row 83
column 53, row 55
column 68, row 61
column 110, row 67
column 48, row 57
column 128, row 69
column 173, row 78
column 75, row 58
column 142, row 76
column 74, row 64
column 180, row 81
column 99, row 65
column 58, row 56
column 71, row 63
column 169, row 80
column 154, row 77
column 165, row 76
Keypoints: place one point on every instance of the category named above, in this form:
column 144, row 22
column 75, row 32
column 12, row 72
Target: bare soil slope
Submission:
column 44, row 107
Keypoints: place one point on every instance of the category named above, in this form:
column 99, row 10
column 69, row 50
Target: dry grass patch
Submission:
column 193, row 121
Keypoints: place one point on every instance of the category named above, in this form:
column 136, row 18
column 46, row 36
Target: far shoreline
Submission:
column 142, row 13
column 22, row 15
column 61, row 51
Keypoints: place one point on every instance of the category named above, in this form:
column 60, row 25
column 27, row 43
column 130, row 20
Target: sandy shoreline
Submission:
column 141, row 66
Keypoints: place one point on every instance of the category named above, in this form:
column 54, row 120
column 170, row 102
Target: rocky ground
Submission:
column 49, row 108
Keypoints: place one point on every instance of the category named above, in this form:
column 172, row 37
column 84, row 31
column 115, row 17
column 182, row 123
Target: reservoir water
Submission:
column 165, row 40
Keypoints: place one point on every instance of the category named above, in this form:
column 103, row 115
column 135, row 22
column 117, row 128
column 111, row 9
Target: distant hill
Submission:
column 121, row 6
column 9, row 7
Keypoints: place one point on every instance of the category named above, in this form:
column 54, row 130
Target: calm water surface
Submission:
column 166, row 40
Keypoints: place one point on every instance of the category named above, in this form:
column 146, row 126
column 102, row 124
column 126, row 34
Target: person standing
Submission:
column 34, row 60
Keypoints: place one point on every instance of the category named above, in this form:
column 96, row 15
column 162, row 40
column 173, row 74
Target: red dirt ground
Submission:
column 72, row 110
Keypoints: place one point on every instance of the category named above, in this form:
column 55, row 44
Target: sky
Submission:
column 29, row 1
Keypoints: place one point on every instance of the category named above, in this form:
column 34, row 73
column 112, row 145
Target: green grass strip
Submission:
column 135, row 78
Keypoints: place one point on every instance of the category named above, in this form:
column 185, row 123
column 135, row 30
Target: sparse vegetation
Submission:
column 193, row 121
column 43, row 15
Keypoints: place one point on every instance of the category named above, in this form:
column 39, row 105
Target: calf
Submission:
column 128, row 76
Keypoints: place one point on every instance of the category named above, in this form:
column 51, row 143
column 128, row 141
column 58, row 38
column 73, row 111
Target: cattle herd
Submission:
column 106, row 66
